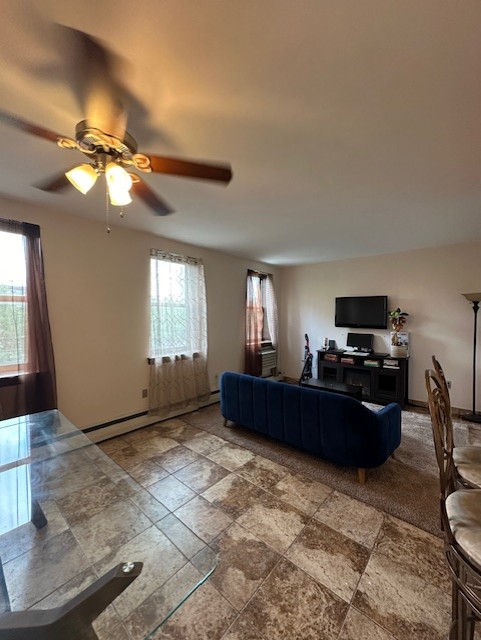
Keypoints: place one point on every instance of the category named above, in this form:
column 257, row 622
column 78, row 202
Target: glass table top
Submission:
column 69, row 514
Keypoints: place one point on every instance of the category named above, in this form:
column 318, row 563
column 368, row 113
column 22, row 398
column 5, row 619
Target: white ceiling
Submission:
column 353, row 127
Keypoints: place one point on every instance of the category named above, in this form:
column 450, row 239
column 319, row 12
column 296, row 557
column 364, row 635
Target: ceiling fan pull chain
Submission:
column 107, row 208
column 122, row 214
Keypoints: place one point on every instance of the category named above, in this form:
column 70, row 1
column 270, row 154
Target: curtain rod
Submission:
column 259, row 273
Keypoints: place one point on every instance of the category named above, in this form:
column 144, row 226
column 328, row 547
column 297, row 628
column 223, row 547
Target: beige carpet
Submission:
column 406, row 487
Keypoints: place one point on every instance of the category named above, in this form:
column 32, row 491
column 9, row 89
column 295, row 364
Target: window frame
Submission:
column 9, row 370
column 185, row 346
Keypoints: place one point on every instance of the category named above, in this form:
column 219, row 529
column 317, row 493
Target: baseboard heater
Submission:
column 125, row 424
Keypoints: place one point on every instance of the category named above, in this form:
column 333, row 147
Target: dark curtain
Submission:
column 254, row 323
column 36, row 386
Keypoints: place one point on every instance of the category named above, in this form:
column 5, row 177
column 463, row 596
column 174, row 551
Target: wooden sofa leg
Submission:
column 225, row 422
column 361, row 474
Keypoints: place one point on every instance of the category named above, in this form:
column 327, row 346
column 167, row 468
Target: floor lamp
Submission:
column 475, row 299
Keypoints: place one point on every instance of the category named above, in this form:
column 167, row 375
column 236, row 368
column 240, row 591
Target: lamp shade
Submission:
column 82, row 177
column 472, row 297
column 119, row 198
column 118, row 183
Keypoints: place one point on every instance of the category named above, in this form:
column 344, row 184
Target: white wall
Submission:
column 97, row 287
column 426, row 283
column 98, row 292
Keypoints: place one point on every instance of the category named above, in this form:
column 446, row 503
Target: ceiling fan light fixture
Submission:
column 82, row 177
column 119, row 183
column 117, row 177
column 119, row 198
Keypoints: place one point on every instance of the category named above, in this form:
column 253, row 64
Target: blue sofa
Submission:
column 323, row 423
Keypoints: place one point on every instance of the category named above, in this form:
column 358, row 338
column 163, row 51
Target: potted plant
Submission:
column 399, row 343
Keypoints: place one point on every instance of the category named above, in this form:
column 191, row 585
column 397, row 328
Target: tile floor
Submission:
column 297, row 559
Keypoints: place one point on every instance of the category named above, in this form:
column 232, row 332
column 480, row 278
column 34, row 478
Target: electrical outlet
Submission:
column 448, row 382
column 145, row 393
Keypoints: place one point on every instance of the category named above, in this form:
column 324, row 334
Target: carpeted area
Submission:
column 406, row 487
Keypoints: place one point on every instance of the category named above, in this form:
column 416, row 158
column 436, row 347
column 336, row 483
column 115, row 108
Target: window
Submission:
column 177, row 304
column 26, row 351
column 261, row 319
column 13, row 304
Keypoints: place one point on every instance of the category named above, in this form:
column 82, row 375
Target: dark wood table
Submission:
column 352, row 390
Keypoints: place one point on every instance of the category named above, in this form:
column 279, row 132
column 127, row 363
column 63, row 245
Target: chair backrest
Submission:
column 440, row 412
column 442, row 378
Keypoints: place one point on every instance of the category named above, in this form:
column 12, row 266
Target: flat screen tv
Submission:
column 361, row 312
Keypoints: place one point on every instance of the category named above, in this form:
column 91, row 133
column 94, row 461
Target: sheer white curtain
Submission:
column 178, row 338
column 271, row 311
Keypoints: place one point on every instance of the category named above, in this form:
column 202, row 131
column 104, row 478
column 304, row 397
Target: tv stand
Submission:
column 383, row 379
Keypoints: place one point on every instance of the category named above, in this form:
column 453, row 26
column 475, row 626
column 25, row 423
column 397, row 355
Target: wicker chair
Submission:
column 466, row 459
column 460, row 518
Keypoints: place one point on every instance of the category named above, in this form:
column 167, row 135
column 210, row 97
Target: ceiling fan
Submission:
column 103, row 138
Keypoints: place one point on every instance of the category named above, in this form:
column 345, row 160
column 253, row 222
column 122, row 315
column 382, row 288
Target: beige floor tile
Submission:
column 21, row 539
column 419, row 551
column 171, row 492
column 201, row 475
column 233, row 494
column 111, row 445
column 244, row 562
column 179, row 430
column 86, row 502
column 146, row 502
column 301, row 492
column 161, row 560
column 139, row 435
column 204, row 443
column 109, row 529
column 155, row 446
column 263, row 472
column 175, row 458
column 36, row 573
column 58, row 482
column 108, row 625
column 206, row 615
column 156, row 607
column 351, row 517
column 147, row 472
column 231, row 457
column 183, row 537
column 401, row 602
column 127, row 456
column 274, row 521
column 205, row 520
column 358, row 627
column 330, row 557
column 290, row 605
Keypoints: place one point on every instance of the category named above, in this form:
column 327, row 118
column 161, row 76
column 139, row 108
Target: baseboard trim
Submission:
column 126, row 424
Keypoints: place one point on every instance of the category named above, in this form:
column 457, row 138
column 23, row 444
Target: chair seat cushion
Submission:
column 464, row 514
column 467, row 461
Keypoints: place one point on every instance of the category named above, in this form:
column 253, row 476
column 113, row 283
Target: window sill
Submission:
column 9, row 380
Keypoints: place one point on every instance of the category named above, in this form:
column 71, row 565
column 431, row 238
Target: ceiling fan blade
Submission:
column 96, row 73
column 56, row 183
column 151, row 199
column 190, row 169
column 29, row 127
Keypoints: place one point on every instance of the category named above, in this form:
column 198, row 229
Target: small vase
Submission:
column 399, row 351
column 399, row 344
